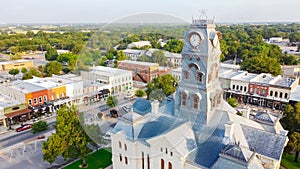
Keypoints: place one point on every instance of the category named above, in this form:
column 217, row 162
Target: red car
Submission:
column 24, row 127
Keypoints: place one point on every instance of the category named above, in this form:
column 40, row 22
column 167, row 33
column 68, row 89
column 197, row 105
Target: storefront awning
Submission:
column 17, row 113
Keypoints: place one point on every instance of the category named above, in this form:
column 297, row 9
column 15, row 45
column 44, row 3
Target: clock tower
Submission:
column 199, row 92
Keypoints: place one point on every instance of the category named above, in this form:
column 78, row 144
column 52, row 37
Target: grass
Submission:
column 96, row 160
column 287, row 161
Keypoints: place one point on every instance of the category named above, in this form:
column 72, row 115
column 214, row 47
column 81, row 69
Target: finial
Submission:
column 203, row 12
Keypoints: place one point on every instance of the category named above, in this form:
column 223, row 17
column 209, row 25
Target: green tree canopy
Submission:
column 112, row 101
column 69, row 58
column 140, row 93
column 158, row 57
column 121, row 56
column 167, row 83
column 144, row 58
column 174, row 45
column 260, row 64
column 295, row 143
column 232, row 101
column 53, row 67
column 30, row 73
column 23, row 70
column 39, row 126
column 51, row 54
column 14, row 72
column 291, row 122
column 70, row 141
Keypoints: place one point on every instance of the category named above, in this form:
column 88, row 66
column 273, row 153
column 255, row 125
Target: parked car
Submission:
column 129, row 95
column 114, row 113
column 41, row 137
column 23, row 127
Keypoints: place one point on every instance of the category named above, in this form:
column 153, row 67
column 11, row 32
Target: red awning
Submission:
column 18, row 113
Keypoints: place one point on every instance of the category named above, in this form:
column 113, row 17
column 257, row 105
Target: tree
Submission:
column 140, row 93
column 94, row 132
column 144, row 58
column 121, row 56
column 295, row 143
column 174, row 45
column 158, row 57
column 39, row 126
column 53, row 67
column 51, row 54
column 112, row 101
column 166, row 83
column 259, row 64
column 31, row 72
column 23, row 70
column 14, row 72
column 70, row 58
column 291, row 122
column 70, row 140
column 232, row 101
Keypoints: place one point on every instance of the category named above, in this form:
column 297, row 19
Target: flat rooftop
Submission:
column 14, row 62
column 25, row 87
column 6, row 101
column 245, row 76
column 285, row 82
column 263, row 78
column 108, row 71
column 295, row 94
column 49, row 82
column 139, row 63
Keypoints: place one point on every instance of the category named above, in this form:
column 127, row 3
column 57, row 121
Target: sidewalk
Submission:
column 7, row 133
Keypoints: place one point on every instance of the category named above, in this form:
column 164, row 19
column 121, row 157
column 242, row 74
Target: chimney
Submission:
column 155, row 106
column 229, row 129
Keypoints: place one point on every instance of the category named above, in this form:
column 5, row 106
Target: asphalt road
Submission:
column 22, row 136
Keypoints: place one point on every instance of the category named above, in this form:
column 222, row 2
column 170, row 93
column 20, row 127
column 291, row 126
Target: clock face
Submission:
column 195, row 39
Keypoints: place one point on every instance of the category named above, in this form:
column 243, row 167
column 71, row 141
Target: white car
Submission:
column 129, row 95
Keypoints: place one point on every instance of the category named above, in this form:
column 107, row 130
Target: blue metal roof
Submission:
column 158, row 127
column 265, row 143
column 264, row 116
column 141, row 106
column 236, row 152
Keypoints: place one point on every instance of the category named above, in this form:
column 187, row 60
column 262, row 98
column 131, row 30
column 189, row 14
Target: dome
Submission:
column 141, row 106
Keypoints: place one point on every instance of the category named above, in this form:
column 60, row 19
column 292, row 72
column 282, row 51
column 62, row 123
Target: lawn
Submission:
column 288, row 162
column 96, row 160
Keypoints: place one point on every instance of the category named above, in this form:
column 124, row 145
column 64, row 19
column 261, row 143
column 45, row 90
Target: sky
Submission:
column 107, row 11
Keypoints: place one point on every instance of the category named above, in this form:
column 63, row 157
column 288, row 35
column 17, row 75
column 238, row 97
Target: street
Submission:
column 22, row 136
column 18, row 153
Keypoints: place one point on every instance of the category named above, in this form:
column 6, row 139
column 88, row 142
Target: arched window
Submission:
column 148, row 161
column 200, row 77
column 271, row 93
column 126, row 160
column 162, row 164
column 276, row 94
column 120, row 157
column 125, row 147
column 170, row 165
column 285, row 95
column 183, row 99
column 120, row 145
column 143, row 161
column 186, row 75
column 195, row 101
column 280, row 95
